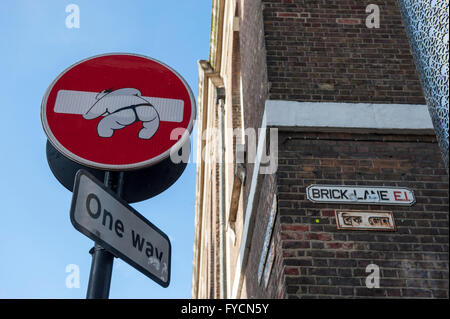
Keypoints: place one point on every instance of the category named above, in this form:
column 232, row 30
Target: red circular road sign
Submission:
column 118, row 112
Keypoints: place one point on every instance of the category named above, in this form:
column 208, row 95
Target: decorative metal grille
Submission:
column 426, row 23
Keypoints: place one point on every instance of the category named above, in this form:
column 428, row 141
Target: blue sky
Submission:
column 37, row 240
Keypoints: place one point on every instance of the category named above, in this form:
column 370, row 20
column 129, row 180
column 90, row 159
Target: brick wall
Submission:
column 317, row 50
column 321, row 261
column 321, row 50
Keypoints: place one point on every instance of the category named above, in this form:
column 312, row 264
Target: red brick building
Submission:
column 339, row 103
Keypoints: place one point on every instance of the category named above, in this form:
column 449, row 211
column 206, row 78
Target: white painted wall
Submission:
column 401, row 118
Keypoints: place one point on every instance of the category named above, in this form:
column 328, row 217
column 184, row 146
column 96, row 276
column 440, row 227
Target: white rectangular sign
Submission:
column 100, row 215
column 360, row 195
column 365, row 220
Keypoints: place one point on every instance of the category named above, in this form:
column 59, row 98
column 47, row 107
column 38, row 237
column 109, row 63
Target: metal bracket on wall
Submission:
column 238, row 181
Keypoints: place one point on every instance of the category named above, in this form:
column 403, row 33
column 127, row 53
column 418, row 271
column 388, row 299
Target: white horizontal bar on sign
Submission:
column 80, row 102
column 169, row 110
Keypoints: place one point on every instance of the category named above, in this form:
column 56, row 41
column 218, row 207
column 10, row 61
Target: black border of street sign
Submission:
column 360, row 203
column 105, row 245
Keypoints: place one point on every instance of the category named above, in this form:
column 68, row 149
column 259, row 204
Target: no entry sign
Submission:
column 118, row 112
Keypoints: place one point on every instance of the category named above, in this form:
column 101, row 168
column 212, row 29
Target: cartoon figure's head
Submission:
column 121, row 108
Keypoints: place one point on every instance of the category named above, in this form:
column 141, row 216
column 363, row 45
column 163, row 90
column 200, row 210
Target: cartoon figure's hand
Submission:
column 115, row 121
column 150, row 121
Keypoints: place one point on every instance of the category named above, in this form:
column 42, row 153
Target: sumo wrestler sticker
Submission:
column 121, row 108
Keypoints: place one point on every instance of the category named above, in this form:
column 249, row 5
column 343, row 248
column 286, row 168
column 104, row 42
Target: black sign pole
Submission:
column 102, row 260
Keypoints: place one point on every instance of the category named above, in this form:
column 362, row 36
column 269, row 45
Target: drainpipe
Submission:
column 220, row 99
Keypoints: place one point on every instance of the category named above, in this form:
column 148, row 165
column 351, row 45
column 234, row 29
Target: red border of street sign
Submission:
column 111, row 166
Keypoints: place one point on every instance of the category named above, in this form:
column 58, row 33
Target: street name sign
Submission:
column 118, row 111
column 365, row 220
column 108, row 220
column 360, row 195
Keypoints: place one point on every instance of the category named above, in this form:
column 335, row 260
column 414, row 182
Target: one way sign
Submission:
column 100, row 215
